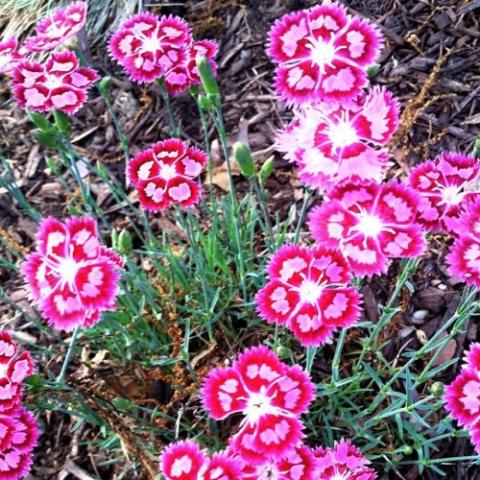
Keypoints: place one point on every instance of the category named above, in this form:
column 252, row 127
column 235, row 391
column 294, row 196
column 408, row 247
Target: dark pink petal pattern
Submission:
column 270, row 394
column 71, row 276
column 58, row 84
column 332, row 142
column 442, row 183
column 150, row 47
column 166, row 173
column 308, row 292
column 322, row 54
column 343, row 461
column 10, row 55
column 56, row 29
column 370, row 224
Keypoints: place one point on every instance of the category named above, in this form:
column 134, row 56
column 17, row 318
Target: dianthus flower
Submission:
column 270, row 394
column 184, row 75
column 308, row 292
column 298, row 464
column 441, row 184
column 331, row 142
column 56, row 29
column 186, row 461
column 18, row 437
column 343, row 462
column 369, row 223
column 59, row 83
column 165, row 174
column 150, row 47
column 15, row 367
column 10, row 55
column 462, row 396
column 464, row 256
column 322, row 54
column 71, row 276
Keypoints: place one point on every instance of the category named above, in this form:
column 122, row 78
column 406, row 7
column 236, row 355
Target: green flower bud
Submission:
column 124, row 243
column 104, row 85
column 39, row 120
column 244, row 159
column 207, row 77
column 436, row 389
column 373, row 70
column 122, row 404
column 205, row 103
column 407, row 450
column 267, row 168
column 114, row 237
column 283, row 352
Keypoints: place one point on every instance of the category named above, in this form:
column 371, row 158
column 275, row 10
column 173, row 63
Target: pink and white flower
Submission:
column 150, row 47
column 298, row 464
column 59, row 83
column 462, row 396
column 15, row 367
column 322, row 54
column 308, row 292
column 442, row 183
column 165, row 174
column 10, row 55
column 71, row 275
column 18, row 437
column 343, row 462
column 185, row 75
column 60, row 26
column 186, row 461
column 332, row 142
column 271, row 396
column 464, row 256
column 370, row 224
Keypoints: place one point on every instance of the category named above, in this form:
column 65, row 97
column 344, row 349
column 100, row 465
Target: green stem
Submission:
column 174, row 129
column 68, row 356
column 306, row 197
column 264, row 208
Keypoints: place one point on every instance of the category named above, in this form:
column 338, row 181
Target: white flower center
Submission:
column 310, row 291
column 268, row 472
column 151, row 44
column 68, row 269
column 53, row 81
column 167, row 171
column 342, row 135
column 452, row 195
column 369, row 225
column 258, row 405
column 323, row 54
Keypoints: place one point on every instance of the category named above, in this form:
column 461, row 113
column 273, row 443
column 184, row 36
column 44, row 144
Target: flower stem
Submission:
column 68, row 356
column 174, row 129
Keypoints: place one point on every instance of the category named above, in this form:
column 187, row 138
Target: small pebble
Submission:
column 419, row 316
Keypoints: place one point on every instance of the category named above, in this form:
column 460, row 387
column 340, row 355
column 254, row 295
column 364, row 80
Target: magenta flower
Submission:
column 441, row 184
column 165, row 174
column 15, row 367
column 185, row 75
column 464, row 256
column 150, row 47
column 18, row 437
column 186, row 461
column 331, row 142
column 370, row 224
column 462, row 396
column 298, row 464
column 56, row 29
column 344, row 461
column 71, row 276
column 10, row 55
column 322, row 54
column 308, row 292
column 59, row 83
column 271, row 396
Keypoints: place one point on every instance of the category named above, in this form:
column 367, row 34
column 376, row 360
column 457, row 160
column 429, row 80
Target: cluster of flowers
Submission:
column 152, row 48
column 18, row 427
column 59, row 82
column 71, row 276
column 271, row 396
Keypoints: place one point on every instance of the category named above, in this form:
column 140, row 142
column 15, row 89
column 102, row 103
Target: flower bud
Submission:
column 436, row 389
column 104, row 85
column 124, row 242
column 205, row 102
column 407, row 450
column 283, row 352
column 244, row 159
column 207, row 77
column 267, row 168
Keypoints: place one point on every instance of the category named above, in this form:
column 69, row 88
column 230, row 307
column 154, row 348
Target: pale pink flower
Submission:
column 370, row 224
column 15, row 367
column 271, row 396
column 343, row 462
column 298, row 464
column 322, row 54
column 166, row 174
column 71, row 275
column 150, row 47
column 332, row 142
column 186, row 461
column 185, row 75
column 18, row 437
column 10, row 55
column 308, row 292
column 57, row 28
column 464, row 256
column 59, row 83
column 442, row 183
